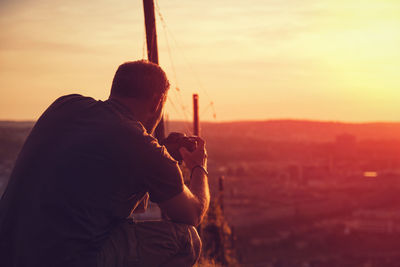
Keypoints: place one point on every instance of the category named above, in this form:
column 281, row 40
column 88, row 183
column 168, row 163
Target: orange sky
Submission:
column 258, row 59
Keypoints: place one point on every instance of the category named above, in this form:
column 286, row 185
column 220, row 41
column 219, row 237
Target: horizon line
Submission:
column 252, row 120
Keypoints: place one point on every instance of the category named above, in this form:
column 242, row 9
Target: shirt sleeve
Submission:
column 164, row 179
column 161, row 175
column 157, row 172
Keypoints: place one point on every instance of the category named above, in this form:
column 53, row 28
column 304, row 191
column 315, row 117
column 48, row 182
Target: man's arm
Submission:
column 192, row 203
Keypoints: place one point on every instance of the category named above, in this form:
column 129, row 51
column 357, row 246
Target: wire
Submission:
column 167, row 42
column 176, row 91
column 167, row 30
column 186, row 122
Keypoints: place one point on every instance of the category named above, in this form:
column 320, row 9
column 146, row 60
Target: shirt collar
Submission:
column 125, row 111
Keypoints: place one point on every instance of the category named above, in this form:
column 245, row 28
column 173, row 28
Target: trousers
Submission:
column 150, row 243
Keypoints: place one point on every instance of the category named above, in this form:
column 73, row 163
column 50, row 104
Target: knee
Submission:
column 195, row 243
column 190, row 246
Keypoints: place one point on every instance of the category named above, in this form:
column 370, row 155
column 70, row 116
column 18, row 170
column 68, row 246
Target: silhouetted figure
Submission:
column 85, row 166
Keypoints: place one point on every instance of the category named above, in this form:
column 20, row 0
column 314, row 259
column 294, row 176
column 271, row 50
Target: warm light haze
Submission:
column 261, row 59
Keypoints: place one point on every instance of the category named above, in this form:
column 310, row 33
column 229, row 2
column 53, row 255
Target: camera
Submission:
column 175, row 141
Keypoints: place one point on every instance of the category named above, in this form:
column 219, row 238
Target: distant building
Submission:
column 375, row 221
column 345, row 146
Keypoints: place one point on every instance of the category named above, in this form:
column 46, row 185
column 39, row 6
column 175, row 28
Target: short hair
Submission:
column 139, row 79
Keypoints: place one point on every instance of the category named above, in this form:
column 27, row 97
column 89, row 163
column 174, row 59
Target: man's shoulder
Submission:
column 71, row 98
column 66, row 107
column 70, row 102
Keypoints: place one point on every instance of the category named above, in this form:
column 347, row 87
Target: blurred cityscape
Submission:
column 295, row 193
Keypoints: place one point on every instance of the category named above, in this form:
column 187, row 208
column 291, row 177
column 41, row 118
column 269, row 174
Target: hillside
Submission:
column 290, row 187
column 297, row 130
column 277, row 130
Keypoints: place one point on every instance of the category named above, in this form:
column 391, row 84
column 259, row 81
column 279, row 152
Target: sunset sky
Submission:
column 336, row 60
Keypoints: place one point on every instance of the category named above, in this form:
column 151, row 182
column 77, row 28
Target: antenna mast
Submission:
column 196, row 122
column 152, row 49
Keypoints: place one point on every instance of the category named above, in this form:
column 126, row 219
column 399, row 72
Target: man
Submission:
column 85, row 166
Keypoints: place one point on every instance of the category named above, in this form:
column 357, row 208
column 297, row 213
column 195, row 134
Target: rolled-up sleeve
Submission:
column 163, row 177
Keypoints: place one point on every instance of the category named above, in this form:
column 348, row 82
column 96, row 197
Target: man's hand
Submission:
column 197, row 157
column 191, row 205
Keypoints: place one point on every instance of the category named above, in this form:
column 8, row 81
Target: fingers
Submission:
column 200, row 141
column 183, row 152
column 196, row 157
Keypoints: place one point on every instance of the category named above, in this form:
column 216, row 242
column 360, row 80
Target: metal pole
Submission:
column 196, row 132
column 221, row 192
column 196, row 126
column 151, row 33
column 152, row 50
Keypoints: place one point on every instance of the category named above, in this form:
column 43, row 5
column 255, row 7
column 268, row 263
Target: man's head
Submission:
column 141, row 86
column 139, row 79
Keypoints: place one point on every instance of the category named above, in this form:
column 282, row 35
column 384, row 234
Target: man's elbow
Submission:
column 196, row 219
column 196, row 214
column 200, row 211
column 189, row 219
column 193, row 220
column 186, row 208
